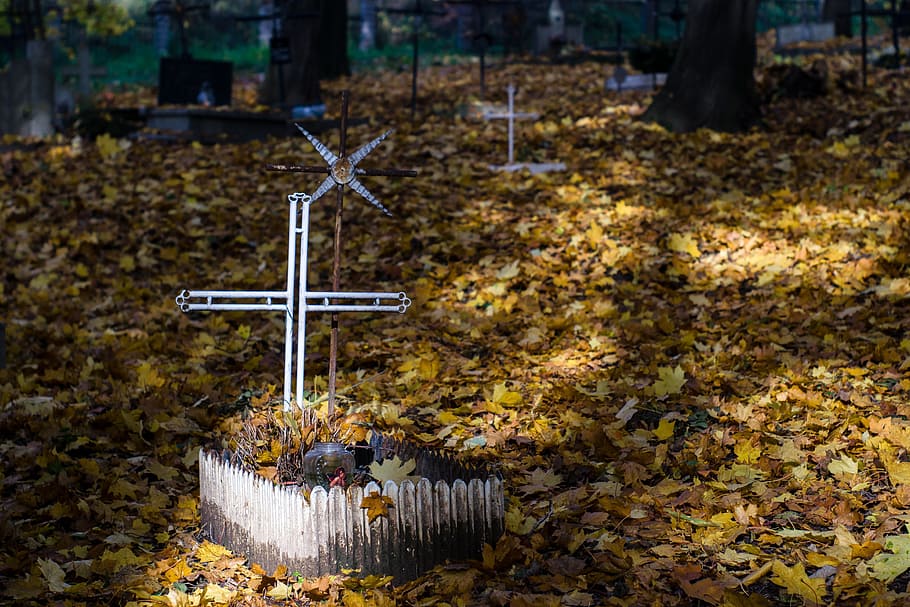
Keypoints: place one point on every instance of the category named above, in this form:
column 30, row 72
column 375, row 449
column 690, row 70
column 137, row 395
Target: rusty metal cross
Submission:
column 342, row 171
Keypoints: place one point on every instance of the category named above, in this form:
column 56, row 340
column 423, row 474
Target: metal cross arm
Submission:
column 284, row 301
column 189, row 301
column 361, row 302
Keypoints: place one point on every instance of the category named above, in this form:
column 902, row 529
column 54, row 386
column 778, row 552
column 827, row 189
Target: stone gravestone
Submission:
column 188, row 81
column 27, row 92
column 621, row 80
column 160, row 12
column 368, row 25
column 184, row 80
column 440, row 517
column 556, row 33
column 510, row 115
column 804, row 32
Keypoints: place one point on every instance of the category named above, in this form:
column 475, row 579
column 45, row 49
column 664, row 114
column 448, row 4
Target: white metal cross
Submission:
column 511, row 115
column 283, row 301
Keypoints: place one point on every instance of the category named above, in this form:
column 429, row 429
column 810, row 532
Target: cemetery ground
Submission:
column 687, row 355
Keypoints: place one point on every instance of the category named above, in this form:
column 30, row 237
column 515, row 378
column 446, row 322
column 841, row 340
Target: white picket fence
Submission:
column 428, row 523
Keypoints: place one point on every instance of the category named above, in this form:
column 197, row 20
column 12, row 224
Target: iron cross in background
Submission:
column 419, row 12
column 342, row 171
column 482, row 37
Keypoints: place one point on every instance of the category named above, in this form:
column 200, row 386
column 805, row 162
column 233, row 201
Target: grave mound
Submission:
column 446, row 512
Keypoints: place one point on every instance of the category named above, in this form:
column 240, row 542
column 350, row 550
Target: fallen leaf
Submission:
column 376, row 505
column 53, row 575
column 393, row 469
column 795, row 581
column 209, row 552
column 670, row 380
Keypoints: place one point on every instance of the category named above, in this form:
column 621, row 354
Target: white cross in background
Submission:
column 283, row 301
column 511, row 115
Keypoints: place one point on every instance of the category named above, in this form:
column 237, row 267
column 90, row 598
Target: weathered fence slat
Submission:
column 460, row 518
column 319, row 504
column 478, row 516
column 428, row 523
column 442, row 501
column 407, row 521
column 426, row 540
column 393, row 556
column 378, row 539
column 358, row 534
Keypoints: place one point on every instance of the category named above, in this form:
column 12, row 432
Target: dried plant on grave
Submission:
column 272, row 444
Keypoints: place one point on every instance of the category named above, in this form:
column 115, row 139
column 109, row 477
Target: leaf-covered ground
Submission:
column 689, row 355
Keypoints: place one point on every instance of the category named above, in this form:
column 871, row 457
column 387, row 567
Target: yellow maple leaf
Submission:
column 368, row 582
column 376, row 505
column 518, row 523
column 53, row 575
column 684, row 243
column 209, row 552
column 113, row 562
column 510, row 270
column 393, row 469
column 898, row 471
column 746, row 452
column 149, row 376
column 215, row 594
column 670, row 381
column 795, row 581
column 426, row 365
column 178, row 570
column 165, row 473
column 664, row 429
column 353, row 599
column 503, row 396
column 109, row 147
column 838, row 149
column 279, row 591
column 887, row 566
column 844, row 465
column 541, row 480
column 595, row 235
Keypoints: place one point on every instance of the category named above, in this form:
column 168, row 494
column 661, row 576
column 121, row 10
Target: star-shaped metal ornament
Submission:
column 342, row 168
column 343, row 171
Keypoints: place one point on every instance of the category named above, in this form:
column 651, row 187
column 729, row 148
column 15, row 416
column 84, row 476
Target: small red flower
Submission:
column 338, row 478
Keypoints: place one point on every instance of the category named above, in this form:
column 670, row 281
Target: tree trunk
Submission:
column 333, row 40
column 712, row 81
column 838, row 11
column 297, row 83
column 317, row 32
